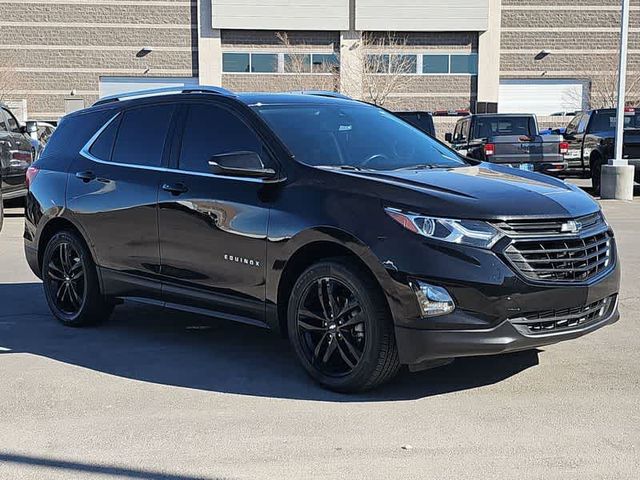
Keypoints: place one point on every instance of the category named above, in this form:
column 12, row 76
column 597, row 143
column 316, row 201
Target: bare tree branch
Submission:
column 601, row 73
column 382, row 66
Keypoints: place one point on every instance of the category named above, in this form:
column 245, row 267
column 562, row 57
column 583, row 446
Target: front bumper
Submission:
column 421, row 346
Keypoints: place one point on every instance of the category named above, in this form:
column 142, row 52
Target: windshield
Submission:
column 355, row 136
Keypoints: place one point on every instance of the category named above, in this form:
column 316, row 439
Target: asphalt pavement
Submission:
column 157, row 394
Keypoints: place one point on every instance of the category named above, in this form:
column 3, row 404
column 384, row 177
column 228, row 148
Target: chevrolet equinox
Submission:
column 368, row 243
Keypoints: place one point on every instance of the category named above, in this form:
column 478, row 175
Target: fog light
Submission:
column 433, row 300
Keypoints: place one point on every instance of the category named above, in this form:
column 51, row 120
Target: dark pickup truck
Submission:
column 591, row 139
column 423, row 121
column 512, row 139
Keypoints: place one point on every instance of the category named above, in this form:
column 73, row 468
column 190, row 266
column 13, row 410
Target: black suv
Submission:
column 368, row 243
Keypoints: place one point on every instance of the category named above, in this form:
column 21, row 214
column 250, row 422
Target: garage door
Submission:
column 116, row 85
column 541, row 96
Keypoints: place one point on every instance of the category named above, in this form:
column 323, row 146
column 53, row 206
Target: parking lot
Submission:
column 158, row 394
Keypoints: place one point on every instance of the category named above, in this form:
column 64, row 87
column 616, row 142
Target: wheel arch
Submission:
column 53, row 226
column 326, row 246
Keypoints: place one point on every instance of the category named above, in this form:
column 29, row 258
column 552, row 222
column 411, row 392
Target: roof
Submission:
column 292, row 98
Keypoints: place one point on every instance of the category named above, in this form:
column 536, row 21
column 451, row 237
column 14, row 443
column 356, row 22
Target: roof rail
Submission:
column 322, row 93
column 165, row 91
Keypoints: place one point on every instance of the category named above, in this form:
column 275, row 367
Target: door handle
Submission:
column 175, row 188
column 86, row 176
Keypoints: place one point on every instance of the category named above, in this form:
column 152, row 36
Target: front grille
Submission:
column 528, row 228
column 563, row 260
column 557, row 320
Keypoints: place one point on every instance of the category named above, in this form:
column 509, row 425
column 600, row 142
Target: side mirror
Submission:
column 448, row 137
column 31, row 127
column 240, row 164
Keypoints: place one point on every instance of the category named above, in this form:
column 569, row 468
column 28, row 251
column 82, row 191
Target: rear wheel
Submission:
column 71, row 282
column 340, row 327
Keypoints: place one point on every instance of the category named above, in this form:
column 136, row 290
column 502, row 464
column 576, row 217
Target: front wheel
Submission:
column 71, row 282
column 340, row 327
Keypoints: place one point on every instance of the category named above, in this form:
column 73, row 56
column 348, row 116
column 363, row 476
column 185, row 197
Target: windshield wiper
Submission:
column 343, row 167
column 422, row 166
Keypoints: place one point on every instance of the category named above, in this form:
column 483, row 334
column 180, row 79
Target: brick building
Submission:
column 539, row 56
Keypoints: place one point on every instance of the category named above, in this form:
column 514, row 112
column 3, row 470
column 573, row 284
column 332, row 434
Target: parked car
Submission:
column 16, row 155
column 591, row 140
column 509, row 139
column 423, row 121
column 42, row 135
column 369, row 244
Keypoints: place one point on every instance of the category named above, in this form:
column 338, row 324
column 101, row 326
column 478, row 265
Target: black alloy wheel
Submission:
column 71, row 283
column 340, row 326
column 331, row 327
column 67, row 279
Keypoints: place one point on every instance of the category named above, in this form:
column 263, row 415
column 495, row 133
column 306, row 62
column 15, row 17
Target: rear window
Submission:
column 503, row 126
column 73, row 133
column 142, row 135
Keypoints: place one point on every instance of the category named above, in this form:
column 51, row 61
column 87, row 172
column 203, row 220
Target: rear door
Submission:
column 113, row 194
column 213, row 228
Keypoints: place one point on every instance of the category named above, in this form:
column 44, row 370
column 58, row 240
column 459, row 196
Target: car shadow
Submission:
column 173, row 348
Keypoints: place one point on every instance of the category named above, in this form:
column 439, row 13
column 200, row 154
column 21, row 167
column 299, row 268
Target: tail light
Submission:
column 32, row 172
column 629, row 110
column 564, row 148
column 489, row 150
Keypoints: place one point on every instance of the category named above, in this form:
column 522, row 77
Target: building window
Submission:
column 235, row 62
column 435, row 64
column 264, row 62
column 325, row 62
column 464, row 64
column 297, row 63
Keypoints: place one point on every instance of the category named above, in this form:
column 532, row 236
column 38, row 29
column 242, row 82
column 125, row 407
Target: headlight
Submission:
column 475, row 233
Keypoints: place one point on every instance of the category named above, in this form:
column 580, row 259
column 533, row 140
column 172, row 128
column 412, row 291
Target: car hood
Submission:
column 483, row 191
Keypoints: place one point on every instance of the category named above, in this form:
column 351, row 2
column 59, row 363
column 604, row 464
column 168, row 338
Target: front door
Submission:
column 574, row 135
column 113, row 191
column 212, row 227
column 16, row 155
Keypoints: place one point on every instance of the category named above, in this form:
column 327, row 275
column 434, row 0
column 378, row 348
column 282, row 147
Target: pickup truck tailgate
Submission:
column 522, row 149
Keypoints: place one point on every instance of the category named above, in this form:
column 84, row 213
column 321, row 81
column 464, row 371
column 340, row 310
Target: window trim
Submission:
column 86, row 154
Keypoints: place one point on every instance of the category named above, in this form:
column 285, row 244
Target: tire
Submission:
column 596, row 171
column 346, row 344
column 71, row 283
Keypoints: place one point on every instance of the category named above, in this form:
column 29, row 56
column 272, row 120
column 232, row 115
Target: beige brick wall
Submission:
column 53, row 48
column 582, row 38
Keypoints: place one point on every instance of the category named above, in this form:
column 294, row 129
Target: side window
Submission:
column 582, row 126
column 12, row 123
column 456, row 132
column 3, row 126
column 102, row 148
column 573, row 124
column 142, row 135
column 211, row 130
column 464, row 134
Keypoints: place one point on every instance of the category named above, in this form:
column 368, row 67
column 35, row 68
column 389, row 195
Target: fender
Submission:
column 280, row 252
